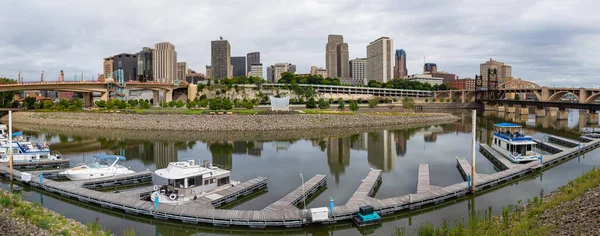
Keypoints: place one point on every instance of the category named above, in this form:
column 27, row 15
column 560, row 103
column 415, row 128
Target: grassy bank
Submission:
column 520, row 219
column 26, row 218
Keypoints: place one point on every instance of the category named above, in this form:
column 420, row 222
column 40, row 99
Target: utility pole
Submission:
column 42, row 78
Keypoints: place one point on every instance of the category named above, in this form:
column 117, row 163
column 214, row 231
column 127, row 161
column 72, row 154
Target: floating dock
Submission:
column 281, row 213
column 43, row 164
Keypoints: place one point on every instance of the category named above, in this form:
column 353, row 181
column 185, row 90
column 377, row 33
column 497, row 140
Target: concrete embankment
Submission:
column 219, row 123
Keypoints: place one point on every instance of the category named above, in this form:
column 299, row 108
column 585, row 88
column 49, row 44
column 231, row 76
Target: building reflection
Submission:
column 338, row 156
column 164, row 153
column 379, row 153
column 221, row 153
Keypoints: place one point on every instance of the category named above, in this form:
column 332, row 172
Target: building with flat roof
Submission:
column 358, row 70
column 426, row 78
column 279, row 68
column 182, row 70
column 164, row 59
column 429, row 68
column 503, row 71
column 380, row 59
column 125, row 61
column 239, row 66
column 256, row 70
column 463, row 84
column 144, row 64
column 252, row 58
column 314, row 70
column 336, row 57
column 220, row 59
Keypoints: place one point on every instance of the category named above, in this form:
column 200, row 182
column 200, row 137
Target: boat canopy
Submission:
column 109, row 157
column 507, row 125
column 15, row 134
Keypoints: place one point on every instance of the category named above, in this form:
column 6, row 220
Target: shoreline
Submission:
column 219, row 123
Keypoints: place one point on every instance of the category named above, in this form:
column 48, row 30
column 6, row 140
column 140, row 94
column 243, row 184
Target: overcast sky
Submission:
column 548, row 42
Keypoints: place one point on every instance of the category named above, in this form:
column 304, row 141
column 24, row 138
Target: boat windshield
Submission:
column 100, row 163
column 177, row 183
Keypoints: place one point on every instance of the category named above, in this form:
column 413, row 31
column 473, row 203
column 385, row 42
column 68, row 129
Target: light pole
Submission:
column 303, row 197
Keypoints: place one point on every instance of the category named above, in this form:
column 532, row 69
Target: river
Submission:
column 346, row 160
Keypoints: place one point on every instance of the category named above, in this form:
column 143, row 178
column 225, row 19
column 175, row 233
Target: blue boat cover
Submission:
column 15, row 134
column 109, row 157
column 507, row 125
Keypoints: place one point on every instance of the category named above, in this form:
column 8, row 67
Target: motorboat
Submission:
column 510, row 141
column 102, row 166
column 25, row 151
column 187, row 180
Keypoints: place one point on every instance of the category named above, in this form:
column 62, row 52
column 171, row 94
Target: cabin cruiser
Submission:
column 187, row 180
column 102, row 166
column 25, row 151
column 510, row 141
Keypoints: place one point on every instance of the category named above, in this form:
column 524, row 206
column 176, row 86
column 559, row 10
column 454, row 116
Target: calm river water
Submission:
column 346, row 160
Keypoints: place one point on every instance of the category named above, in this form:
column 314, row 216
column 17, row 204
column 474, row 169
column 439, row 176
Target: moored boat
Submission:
column 102, row 166
column 510, row 141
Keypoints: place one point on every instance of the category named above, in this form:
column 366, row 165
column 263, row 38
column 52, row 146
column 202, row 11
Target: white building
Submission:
column 358, row 70
column 279, row 68
column 380, row 60
column 164, row 59
column 256, row 70
column 425, row 78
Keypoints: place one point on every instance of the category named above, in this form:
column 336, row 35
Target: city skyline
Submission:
column 540, row 47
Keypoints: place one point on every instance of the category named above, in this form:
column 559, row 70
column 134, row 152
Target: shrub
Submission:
column 324, row 104
column 311, row 103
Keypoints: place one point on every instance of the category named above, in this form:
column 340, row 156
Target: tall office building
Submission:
column 430, row 68
column 252, row 58
column 125, row 61
column 239, row 66
column 380, row 60
column 164, row 61
column 336, row 57
column 221, row 59
column 256, row 70
column 358, row 71
column 208, row 71
column 270, row 74
column 503, row 71
column 144, row 64
column 279, row 68
column 181, row 70
column 400, row 70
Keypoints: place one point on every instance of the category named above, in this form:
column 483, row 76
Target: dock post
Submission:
column 410, row 198
column 156, row 201
column 331, row 205
column 541, row 159
column 474, row 121
column 41, row 178
column 10, row 148
column 469, row 180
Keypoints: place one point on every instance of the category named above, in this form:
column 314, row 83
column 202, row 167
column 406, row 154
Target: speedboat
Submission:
column 510, row 141
column 25, row 151
column 102, row 166
column 187, row 181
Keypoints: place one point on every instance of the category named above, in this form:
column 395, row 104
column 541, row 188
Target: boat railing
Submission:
column 513, row 137
column 57, row 153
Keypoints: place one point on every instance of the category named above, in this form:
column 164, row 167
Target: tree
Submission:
column 77, row 103
column 426, row 100
column 133, row 103
column 29, row 102
column 408, row 103
column 203, row 102
column 48, row 104
column 341, row 104
column 323, row 104
column 301, row 101
column 227, row 105
column 353, row 106
column 441, row 99
column 7, row 97
column 190, row 104
column 110, row 104
column 121, row 104
column 215, row 104
column 63, row 104
column 517, row 97
column 248, row 105
column 395, row 99
column 179, row 104
column 433, row 100
column 331, row 100
column 373, row 102
column 386, row 100
column 144, row 104
column 311, row 103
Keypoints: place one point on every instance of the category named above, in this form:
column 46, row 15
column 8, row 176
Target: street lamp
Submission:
column 303, row 197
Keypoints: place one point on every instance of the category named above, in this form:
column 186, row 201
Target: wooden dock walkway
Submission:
column 43, row 164
column 547, row 146
column 203, row 212
column 563, row 141
column 423, row 181
column 464, row 167
column 496, row 157
column 296, row 197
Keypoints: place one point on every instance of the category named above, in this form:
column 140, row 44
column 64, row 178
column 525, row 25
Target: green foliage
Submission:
column 121, row 104
column 29, row 102
column 373, row 102
column 133, row 103
column 433, row 100
column 426, row 100
column 395, row 99
column 301, row 100
column 110, row 104
column 190, row 104
column 215, row 104
column 323, row 104
column 248, row 105
column 6, row 98
column 47, row 104
column 203, row 102
column 227, row 105
column 408, row 103
column 63, row 104
column 331, row 100
column 406, row 84
column 386, row 100
column 144, row 104
column 311, row 103
column 353, row 106
column 517, row 97
column 77, row 103
column 341, row 104
column 179, row 104
column 290, row 78
column 99, row 103
column 441, row 99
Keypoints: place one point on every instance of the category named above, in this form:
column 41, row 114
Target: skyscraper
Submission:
column 336, row 57
column 270, row 74
column 125, row 61
column 208, row 72
column 503, row 71
column 358, row 70
column 239, row 66
column 430, row 68
column 181, row 70
column 380, row 55
column 164, row 59
column 252, row 59
column 144, row 64
column 221, row 59
column 400, row 70
column 256, row 70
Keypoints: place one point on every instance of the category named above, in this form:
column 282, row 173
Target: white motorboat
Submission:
column 27, row 152
column 102, row 166
column 187, row 180
column 510, row 141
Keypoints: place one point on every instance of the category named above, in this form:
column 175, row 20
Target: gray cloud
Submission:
column 550, row 42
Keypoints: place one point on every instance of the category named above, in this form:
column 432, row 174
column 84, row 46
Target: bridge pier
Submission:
column 490, row 108
column 192, row 91
column 104, row 96
column 155, row 98
column 540, row 112
column 511, row 109
column 552, row 111
column 523, row 111
column 593, row 118
column 88, row 100
column 563, row 115
column 168, row 95
column 501, row 109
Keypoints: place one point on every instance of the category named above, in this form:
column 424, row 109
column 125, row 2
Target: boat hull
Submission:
column 86, row 175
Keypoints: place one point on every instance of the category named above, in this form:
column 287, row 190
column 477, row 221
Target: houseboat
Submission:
column 27, row 152
column 510, row 141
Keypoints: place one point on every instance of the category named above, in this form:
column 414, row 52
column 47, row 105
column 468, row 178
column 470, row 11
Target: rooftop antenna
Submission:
column 221, row 37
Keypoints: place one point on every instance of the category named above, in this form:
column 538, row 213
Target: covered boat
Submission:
column 102, row 166
column 510, row 141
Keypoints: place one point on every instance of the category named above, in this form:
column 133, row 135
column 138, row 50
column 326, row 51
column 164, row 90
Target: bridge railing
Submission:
column 51, row 82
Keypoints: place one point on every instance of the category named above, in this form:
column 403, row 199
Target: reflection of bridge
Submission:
column 87, row 88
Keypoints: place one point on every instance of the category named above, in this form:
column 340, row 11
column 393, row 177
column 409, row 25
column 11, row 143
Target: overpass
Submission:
column 377, row 92
column 104, row 88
